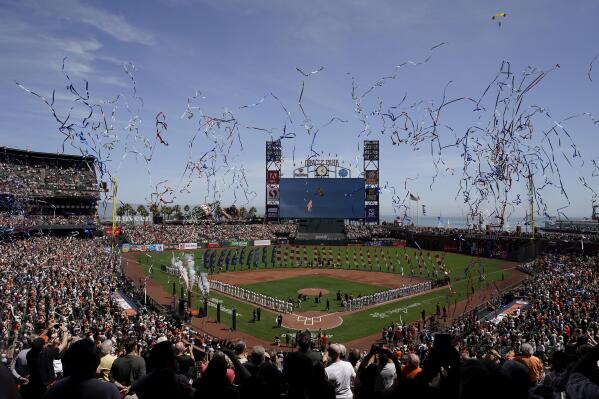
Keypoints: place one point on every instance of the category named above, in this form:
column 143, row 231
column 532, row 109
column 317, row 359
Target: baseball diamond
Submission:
column 352, row 298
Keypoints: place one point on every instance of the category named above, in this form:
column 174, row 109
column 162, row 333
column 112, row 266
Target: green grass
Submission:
column 358, row 324
column 288, row 288
column 388, row 263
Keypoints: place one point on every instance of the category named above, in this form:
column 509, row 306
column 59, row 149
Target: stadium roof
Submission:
column 46, row 155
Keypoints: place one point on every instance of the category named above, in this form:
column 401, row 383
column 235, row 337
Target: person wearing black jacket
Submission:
column 163, row 381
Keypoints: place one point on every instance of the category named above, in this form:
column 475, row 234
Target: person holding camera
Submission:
column 185, row 359
column 40, row 361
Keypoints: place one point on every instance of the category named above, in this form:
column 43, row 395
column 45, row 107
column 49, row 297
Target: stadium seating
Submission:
column 38, row 189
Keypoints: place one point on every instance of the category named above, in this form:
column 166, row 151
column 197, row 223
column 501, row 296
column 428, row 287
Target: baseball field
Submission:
column 354, row 270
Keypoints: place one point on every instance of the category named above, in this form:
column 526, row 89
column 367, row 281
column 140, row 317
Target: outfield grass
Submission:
column 358, row 324
column 387, row 259
column 285, row 288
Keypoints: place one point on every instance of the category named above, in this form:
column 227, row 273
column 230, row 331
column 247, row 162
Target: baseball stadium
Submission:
column 299, row 200
column 318, row 280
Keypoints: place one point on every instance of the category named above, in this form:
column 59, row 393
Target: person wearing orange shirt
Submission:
column 532, row 363
column 412, row 367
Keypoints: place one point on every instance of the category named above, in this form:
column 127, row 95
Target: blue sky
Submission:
column 235, row 52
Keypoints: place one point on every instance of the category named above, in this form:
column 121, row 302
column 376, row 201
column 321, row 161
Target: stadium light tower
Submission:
column 371, row 181
column 114, row 192
column 531, row 191
column 273, row 176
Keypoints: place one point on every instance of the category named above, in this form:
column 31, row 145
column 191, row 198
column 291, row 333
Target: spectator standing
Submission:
column 40, row 361
column 240, row 352
column 81, row 361
column 340, row 373
column 7, row 384
column 19, row 367
column 256, row 359
column 387, row 373
column 185, row 359
column 412, row 367
column 163, row 381
column 127, row 369
column 532, row 363
column 106, row 360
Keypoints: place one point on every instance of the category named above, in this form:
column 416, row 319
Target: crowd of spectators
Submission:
column 168, row 233
column 12, row 220
column 63, row 334
column 56, row 292
column 367, row 232
column 46, row 180
column 383, row 231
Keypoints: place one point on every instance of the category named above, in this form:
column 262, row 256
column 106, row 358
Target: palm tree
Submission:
column 177, row 212
column 218, row 211
column 154, row 209
column 197, row 213
column 143, row 212
column 167, row 211
column 121, row 210
column 252, row 212
column 127, row 208
column 243, row 213
column 186, row 209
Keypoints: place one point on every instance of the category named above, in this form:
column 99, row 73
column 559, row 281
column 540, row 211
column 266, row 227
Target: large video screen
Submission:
column 322, row 198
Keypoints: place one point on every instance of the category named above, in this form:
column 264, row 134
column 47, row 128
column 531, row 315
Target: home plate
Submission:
column 303, row 321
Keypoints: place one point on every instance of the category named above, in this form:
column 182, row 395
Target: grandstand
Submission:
column 40, row 190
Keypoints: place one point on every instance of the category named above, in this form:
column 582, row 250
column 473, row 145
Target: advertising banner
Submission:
column 272, row 177
column 261, row 243
column 400, row 243
column 213, row 245
column 372, row 213
column 155, row 247
column 272, row 211
column 126, row 248
column 146, row 248
column 171, row 246
column 272, row 193
column 236, row 243
column 372, row 194
column 371, row 176
column 188, row 245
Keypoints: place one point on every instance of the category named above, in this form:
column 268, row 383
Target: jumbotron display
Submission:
column 322, row 198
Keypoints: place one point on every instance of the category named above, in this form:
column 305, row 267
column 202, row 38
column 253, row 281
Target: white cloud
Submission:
column 30, row 51
column 111, row 24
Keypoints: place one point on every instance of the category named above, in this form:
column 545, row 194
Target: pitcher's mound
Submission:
column 312, row 291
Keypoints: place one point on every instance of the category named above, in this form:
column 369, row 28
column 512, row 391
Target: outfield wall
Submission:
column 243, row 243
